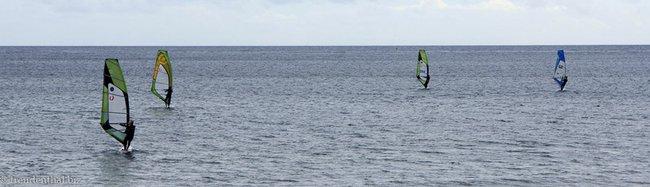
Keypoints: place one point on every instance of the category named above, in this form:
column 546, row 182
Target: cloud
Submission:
column 460, row 5
column 478, row 5
column 323, row 22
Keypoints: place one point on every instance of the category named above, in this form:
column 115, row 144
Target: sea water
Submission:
column 346, row 115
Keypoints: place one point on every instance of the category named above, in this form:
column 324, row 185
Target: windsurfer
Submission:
column 426, row 82
column 168, row 99
column 129, row 131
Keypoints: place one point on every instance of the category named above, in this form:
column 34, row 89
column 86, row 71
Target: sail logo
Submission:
column 161, row 59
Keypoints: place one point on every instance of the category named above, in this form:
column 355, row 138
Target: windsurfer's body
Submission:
column 168, row 97
column 426, row 80
column 129, row 131
column 564, row 80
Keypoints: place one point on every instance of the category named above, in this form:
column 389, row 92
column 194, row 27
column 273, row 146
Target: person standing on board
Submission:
column 129, row 131
column 168, row 99
column 564, row 80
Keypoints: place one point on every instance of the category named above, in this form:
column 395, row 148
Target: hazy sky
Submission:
column 323, row 22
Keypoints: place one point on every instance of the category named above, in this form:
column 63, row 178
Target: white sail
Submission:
column 162, row 80
column 116, row 105
column 560, row 72
column 423, row 68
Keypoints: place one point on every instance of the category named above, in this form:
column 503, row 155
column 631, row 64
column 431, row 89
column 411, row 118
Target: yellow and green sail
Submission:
column 422, row 70
column 115, row 100
column 161, row 85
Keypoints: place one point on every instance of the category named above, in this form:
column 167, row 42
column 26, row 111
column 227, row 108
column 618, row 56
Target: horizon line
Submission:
column 354, row 45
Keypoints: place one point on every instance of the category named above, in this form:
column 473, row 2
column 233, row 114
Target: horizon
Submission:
column 451, row 45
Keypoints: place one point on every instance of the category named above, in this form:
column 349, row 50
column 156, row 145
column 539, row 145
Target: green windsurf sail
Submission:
column 162, row 78
column 422, row 70
column 115, row 101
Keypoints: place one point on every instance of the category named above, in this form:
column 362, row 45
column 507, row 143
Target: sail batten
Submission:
column 422, row 69
column 161, row 85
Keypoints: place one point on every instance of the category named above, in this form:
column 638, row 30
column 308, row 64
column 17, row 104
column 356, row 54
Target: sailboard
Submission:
column 560, row 72
column 161, row 85
column 115, row 102
column 422, row 70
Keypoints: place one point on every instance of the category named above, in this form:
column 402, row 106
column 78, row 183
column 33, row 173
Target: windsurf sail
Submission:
column 560, row 75
column 161, row 85
column 422, row 70
column 115, row 101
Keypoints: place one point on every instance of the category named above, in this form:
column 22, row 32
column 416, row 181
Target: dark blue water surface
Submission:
column 308, row 116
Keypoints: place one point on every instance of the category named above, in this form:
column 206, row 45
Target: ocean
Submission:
column 332, row 116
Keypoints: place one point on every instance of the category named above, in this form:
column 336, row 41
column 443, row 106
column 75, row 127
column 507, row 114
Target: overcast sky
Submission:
column 324, row 22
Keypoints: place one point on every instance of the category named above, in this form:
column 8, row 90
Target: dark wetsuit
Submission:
column 426, row 81
column 168, row 99
column 129, row 131
column 564, row 80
